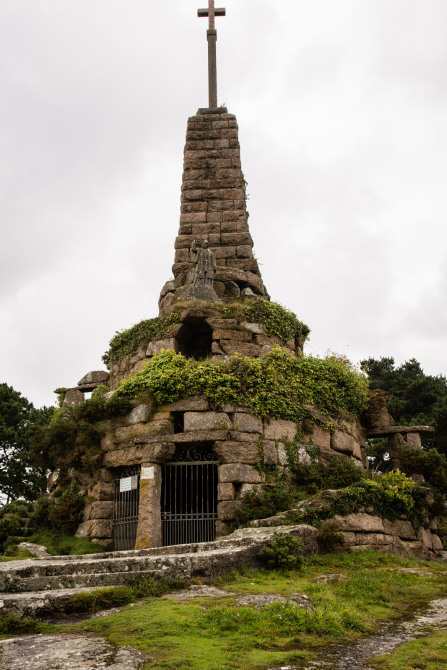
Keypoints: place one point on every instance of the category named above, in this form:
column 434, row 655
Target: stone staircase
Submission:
column 38, row 586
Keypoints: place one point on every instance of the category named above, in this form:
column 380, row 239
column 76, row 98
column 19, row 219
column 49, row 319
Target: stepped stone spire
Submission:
column 213, row 209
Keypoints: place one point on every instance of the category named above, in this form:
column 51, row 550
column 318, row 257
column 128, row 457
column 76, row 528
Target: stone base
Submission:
column 200, row 292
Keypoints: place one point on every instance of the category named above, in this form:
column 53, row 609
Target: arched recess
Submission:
column 195, row 338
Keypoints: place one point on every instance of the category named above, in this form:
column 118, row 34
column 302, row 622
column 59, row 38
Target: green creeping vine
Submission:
column 277, row 321
column 276, row 386
column 126, row 342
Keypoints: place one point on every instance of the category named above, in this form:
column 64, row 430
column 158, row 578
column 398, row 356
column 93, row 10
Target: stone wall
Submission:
column 364, row 531
column 223, row 337
column 245, row 446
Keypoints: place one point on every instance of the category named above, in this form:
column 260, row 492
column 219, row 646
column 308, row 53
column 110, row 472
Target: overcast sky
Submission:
column 342, row 110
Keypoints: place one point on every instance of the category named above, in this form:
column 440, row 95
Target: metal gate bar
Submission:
column 125, row 510
column 189, row 502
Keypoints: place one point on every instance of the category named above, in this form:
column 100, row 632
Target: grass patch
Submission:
column 60, row 544
column 13, row 625
column 116, row 596
column 215, row 633
column 429, row 653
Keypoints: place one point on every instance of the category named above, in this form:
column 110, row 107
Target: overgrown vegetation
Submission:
column 277, row 321
column 214, row 633
column 278, row 385
column 36, row 522
column 389, row 496
column 126, row 342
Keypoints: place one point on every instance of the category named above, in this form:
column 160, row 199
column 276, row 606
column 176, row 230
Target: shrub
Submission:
column 282, row 553
column 329, row 538
column 337, row 474
column 273, row 499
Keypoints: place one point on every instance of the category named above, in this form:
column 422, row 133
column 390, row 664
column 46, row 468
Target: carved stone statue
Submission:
column 201, row 278
column 205, row 268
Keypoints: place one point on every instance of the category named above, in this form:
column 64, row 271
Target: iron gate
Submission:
column 189, row 497
column 125, row 508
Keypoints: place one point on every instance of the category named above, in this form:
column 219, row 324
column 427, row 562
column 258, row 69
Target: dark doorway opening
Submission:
column 125, row 508
column 195, row 339
column 189, row 496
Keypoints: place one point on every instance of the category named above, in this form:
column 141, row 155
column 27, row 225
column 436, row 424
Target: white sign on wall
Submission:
column 128, row 483
column 148, row 472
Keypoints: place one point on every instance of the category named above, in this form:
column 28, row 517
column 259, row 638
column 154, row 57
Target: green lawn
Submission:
column 428, row 653
column 215, row 634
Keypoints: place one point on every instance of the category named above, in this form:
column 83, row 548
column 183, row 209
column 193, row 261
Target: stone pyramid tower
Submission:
column 213, row 209
column 174, row 455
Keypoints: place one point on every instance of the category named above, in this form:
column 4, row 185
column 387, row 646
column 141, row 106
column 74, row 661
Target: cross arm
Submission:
column 205, row 12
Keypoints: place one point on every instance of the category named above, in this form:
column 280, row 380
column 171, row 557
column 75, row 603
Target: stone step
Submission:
column 34, row 586
column 33, row 604
column 94, row 580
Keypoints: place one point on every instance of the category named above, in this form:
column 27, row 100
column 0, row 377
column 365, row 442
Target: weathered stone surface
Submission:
column 226, row 492
column 149, row 515
column 237, row 452
column 35, row 549
column 73, row 397
column 239, row 473
column 255, row 328
column 231, row 347
column 363, row 523
column 343, row 442
column 101, row 510
column 101, row 490
column 206, row 421
column 249, row 488
column 94, row 378
column 233, row 335
column 170, row 344
column 145, row 453
column 226, row 510
column 140, row 414
column 247, row 423
column 280, row 429
column 414, row 440
column 198, row 436
column 384, row 431
column 142, row 431
column 196, row 403
column 66, row 652
column 403, row 529
column 95, row 528
column 374, row 539
column 319, row 437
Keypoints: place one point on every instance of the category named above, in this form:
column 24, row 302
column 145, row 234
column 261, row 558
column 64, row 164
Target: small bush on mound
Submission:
column 273, row 499
column 282, row 553
column 337, row 474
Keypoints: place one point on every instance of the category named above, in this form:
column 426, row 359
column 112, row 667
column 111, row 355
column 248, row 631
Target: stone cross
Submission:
column 211, row 13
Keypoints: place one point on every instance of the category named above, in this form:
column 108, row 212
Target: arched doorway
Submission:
column 189, row 496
